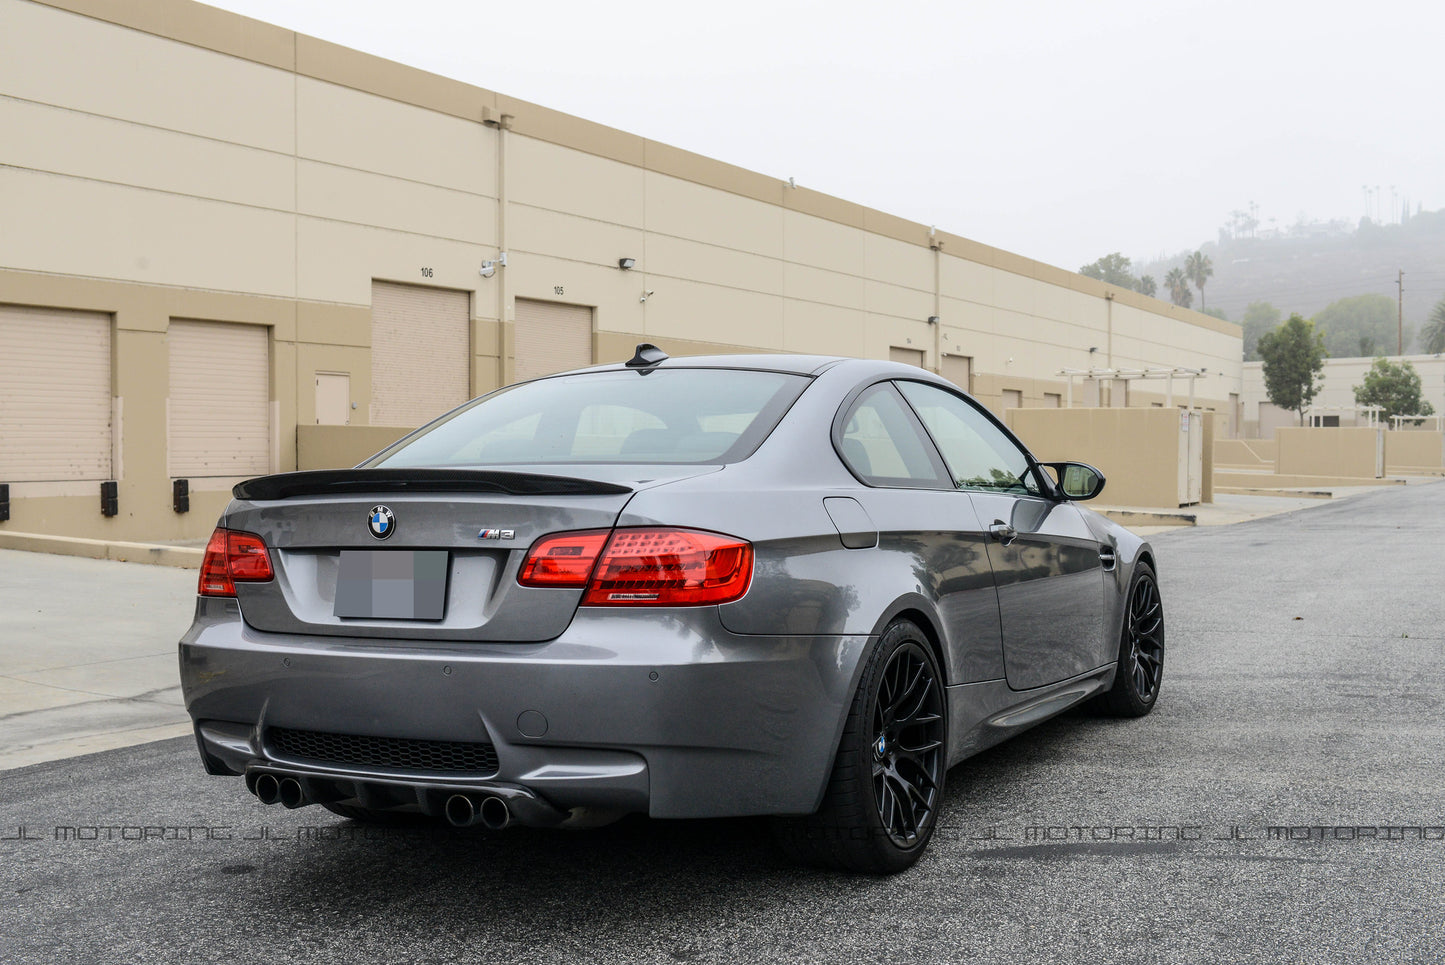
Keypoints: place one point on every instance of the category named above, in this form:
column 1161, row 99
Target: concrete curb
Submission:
column 1144, row 517
column 187, row 557
column 1294, row 493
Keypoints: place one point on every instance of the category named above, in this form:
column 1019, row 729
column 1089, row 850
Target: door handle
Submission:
column 1002, row 532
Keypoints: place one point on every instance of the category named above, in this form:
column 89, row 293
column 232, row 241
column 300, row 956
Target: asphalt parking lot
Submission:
column 1282, row 804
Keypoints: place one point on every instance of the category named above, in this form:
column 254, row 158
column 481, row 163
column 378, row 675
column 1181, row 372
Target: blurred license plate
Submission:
column 392, row 584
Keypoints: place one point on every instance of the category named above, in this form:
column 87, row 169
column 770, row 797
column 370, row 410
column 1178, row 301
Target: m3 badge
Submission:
column 497, row 534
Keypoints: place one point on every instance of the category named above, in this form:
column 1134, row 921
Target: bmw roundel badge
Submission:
column 381, row 522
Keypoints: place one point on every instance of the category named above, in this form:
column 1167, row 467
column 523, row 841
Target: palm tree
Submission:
column 1199, row 269
column 1147, row 285
column 1178, row 284
column 1432, row 336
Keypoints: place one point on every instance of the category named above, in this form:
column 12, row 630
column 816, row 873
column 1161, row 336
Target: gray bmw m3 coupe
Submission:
column 793, row 586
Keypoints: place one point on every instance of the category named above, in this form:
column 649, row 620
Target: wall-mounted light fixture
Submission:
column 933, row 319
column 1093, row 349
column 489, row 268
column 645, row 295
column 626, row 263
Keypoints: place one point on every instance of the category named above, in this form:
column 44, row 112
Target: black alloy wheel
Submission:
column 1141, row 649
column 882, row 799
column 907, row 744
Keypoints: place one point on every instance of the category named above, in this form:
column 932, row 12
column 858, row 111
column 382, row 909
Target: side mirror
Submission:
column 1077, row 480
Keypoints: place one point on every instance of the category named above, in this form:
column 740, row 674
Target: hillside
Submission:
column 1309, row 265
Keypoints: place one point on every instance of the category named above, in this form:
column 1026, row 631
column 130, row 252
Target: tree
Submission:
column 1199, row 269
column 1258, row 318
column 1147, row 286
column 1360, row 326
column 1218, row 313
column 1178, row 284
column 1432, row 336
column 1112, row 268
column 1294, row 358
column 1393, row 387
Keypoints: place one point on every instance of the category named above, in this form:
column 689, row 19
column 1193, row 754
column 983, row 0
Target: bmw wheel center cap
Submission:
column 381, row 522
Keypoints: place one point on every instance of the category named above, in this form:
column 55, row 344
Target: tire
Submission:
column 1140, row 669
column 883, row 795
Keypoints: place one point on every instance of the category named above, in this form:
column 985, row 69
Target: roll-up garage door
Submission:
column 420, row 353
column 219, row 412
column 551, row 337
column 55, row 396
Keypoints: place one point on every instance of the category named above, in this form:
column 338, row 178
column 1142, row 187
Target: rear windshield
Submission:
column 672, row 415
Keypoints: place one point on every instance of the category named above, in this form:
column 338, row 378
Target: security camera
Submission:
column 488, row 269
column 645, row 295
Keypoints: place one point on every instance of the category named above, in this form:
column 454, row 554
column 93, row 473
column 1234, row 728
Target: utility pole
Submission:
column 1400, row 309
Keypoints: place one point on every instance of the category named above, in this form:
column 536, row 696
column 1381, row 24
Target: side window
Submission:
column 979, row 456
column 882, row 443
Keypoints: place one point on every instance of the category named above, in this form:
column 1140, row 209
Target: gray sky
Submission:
column 1057, row 130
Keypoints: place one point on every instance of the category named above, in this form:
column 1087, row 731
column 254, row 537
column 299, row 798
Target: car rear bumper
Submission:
column 666, row 713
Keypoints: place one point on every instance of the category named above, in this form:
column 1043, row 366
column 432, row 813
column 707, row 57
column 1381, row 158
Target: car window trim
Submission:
column 1045, row 483
column 943, row 479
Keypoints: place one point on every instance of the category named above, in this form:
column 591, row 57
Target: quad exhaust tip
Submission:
column 267, row 789
column 291, row 794
column 462, row 811
column 287, row 791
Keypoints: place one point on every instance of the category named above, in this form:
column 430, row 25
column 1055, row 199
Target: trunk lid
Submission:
column 484, row 521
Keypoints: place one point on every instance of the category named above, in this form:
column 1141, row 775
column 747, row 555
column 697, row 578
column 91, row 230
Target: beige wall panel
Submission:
column 964, row 279
column 330, row 324
column 814, row 329
column 359, row 197
column 808, row 240
column 101, row 148
column 823, row 286
column 541, row 231
column 881, row 298
column 1327, row 452
column 1051, row 301
column 347, row 127
column 55, row 57
column 1411, row 449
column 965, row 317
column 710, row 313
column 341, row 447
column 897, row 263
column 82, row 227
column 338, row 261
column 548, row 176
column 1015, row 292
column 686, row 210
column 355, row 362
column 669, row 257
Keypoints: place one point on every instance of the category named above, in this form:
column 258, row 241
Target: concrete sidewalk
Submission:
column 88, row 654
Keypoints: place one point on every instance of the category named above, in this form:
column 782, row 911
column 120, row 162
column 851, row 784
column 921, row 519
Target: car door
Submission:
column 922, row 521
column 1045, row 560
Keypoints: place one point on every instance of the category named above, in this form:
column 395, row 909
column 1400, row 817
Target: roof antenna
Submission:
column 647, row 355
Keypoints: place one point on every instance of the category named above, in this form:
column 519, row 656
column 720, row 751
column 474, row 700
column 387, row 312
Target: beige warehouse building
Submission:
column 229, row 249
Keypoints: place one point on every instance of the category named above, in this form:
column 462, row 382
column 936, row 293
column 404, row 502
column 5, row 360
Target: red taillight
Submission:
column 643, row 567
column 232, row 556
column 563, row 560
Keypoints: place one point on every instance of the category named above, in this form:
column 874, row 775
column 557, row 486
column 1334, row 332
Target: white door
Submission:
column 55, row 395
column 333, row 399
